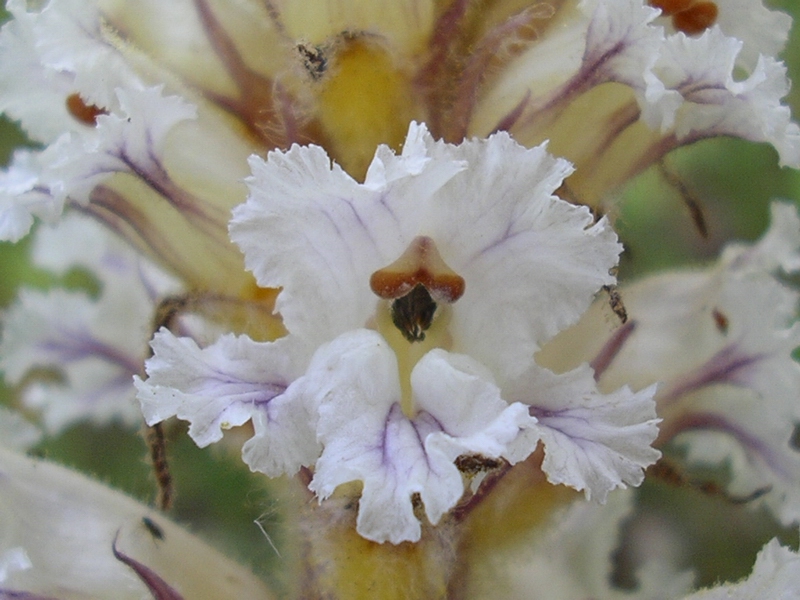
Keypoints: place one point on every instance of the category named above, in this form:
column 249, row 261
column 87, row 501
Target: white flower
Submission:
column 94, row 345
column 52, row 53
column 763, row 31
column 414, row 304
column 71, row 537
column 721, row 340
column 607, row 41
column 121, row 143
column 121, row 99
column 693, row 91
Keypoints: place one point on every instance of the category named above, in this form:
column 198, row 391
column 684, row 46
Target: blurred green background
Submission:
column 218, row 497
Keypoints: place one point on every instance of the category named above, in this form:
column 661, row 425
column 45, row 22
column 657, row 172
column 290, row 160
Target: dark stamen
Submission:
column 413, row 313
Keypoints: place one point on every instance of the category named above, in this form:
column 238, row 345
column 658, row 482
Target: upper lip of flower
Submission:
column 311, row 230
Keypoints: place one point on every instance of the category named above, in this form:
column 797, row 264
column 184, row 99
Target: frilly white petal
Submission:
column 593, row 442
column 367, row 437
column 311, row 229
column 22, row 197
column 387, row 167
column 63, row 529
column 129, row 142
column 761, row 30
column 216, row 387
column 459, row 393
column 776, row 574
column 621, row 45
column 692, row 90
column 73, row 39
column 284, row 438
column 32, row 93
column 499, row 226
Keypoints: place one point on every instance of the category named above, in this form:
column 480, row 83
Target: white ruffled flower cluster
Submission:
column 422, row 293
column 69, row 65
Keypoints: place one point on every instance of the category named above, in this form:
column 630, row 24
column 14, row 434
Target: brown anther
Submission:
column 696, row 19
column 420, row 264
column 671, row 7
column 413, row 313
column 85, row 113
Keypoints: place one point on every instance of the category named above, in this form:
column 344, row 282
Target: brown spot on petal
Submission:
column 85, row 113
column 420, row 264
column 721, row 321
column 671, row 7
column 696, row 19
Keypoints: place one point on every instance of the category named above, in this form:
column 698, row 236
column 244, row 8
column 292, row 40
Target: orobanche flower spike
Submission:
column 367, row 248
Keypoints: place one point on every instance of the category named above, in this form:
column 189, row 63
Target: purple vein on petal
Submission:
column 72, row 347
column 159, row 588
column 715, row 422
column 19, row 595
column 729, row 365
column 611, row 348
